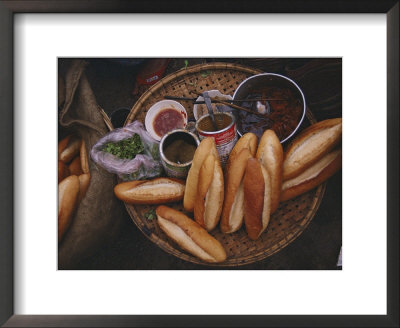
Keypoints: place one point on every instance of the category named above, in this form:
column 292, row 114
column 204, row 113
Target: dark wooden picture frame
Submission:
column 7, row 11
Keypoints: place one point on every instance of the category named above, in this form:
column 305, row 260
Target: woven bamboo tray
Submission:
column 286, row 224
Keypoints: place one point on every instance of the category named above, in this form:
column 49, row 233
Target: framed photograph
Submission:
column 146, row 97
column 100, row 70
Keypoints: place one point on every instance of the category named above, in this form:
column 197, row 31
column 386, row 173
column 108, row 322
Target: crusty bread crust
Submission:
column 62, row 144
column 270, row 154
column 68, row 190
column 190, row 235
column 206, row 147
column 310, row 146
column 84, row 181
column 68, row 148
column 206, row 174
column 63, row 171
column 84, row 158
column 257, row 198
column 249, row 141
column 232, row 212
column 75, row 166
column 313, row 176
column 210, row 193
column 155, row 191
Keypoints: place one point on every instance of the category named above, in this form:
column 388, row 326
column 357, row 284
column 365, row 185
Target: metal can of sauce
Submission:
column 225, row 136
column 177, row 149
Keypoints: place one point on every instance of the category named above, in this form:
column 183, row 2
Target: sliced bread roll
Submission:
column 84, row 180
column 84, row 158
column 249, row 141
column 206, row 147
column 155, row 191
column 310, row 146
column 68, row 148
column 313, row 176
column 233, row 210
column 68, row 191
column 75, row 166
column 257, row 198
column 210, row 193
column 189, row 235
column 63, row 171
column 270, row 155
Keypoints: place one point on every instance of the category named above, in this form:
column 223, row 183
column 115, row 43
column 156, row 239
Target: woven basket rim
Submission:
column 182, row 72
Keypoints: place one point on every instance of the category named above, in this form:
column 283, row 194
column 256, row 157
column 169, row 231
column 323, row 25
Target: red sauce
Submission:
column 167, row 120
column 283, row 118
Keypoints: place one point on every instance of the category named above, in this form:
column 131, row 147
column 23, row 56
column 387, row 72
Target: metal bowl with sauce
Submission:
column 177, row 149
column 284, row 116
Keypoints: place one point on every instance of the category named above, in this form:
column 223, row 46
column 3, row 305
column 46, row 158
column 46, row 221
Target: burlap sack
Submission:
column 98, row 218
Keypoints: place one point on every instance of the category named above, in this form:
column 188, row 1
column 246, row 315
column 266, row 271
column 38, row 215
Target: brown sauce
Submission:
column 180, row 151
column 222, row 121
column 166, row 120
column 284, row 115
column 179, row 147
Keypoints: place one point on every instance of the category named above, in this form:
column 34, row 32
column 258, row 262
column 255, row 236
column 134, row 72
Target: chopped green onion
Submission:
column 125, row 149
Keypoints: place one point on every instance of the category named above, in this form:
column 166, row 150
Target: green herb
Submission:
column 125, row 149
column 205, row 73
column 186, row 63
column 150, row 214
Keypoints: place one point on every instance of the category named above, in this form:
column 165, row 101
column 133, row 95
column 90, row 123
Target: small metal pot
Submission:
column 275, row 80
column 172, row 169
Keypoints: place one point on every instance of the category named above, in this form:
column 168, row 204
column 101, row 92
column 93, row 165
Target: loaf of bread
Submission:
column 155, row 191
column 189, row 235
column 84, row 158
column 68, row 148
column 313, row 176
column 249, row 141
column 63, row 171
column 233, row 210
column 206, row 147
column 75, row 166
column 68, row 192
column 270, row 155
column 84, row 180
column 310, row 146
column 210, row 193
column 257, row 198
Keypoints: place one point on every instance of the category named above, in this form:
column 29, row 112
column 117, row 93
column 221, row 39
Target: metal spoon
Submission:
column 207, row 100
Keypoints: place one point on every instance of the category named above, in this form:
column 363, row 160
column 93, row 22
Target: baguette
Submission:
column 270, row 155
column 155, row 191
column 68, row 191
column 84, row 158
column 75, row 166
column 206, row 147
column 233, row 210
column 189, row 235
column 313, row 176
column 257, row 198
column 63, row 171
column 68, row 148
column 84, row 180
column 249, row 141
column 210, row 193
column 310, row 146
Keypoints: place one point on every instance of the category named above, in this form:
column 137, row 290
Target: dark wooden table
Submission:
column 317, row 248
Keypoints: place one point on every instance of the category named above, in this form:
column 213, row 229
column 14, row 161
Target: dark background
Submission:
column 114, row 85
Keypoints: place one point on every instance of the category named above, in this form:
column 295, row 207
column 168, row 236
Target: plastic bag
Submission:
column 142, row 166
